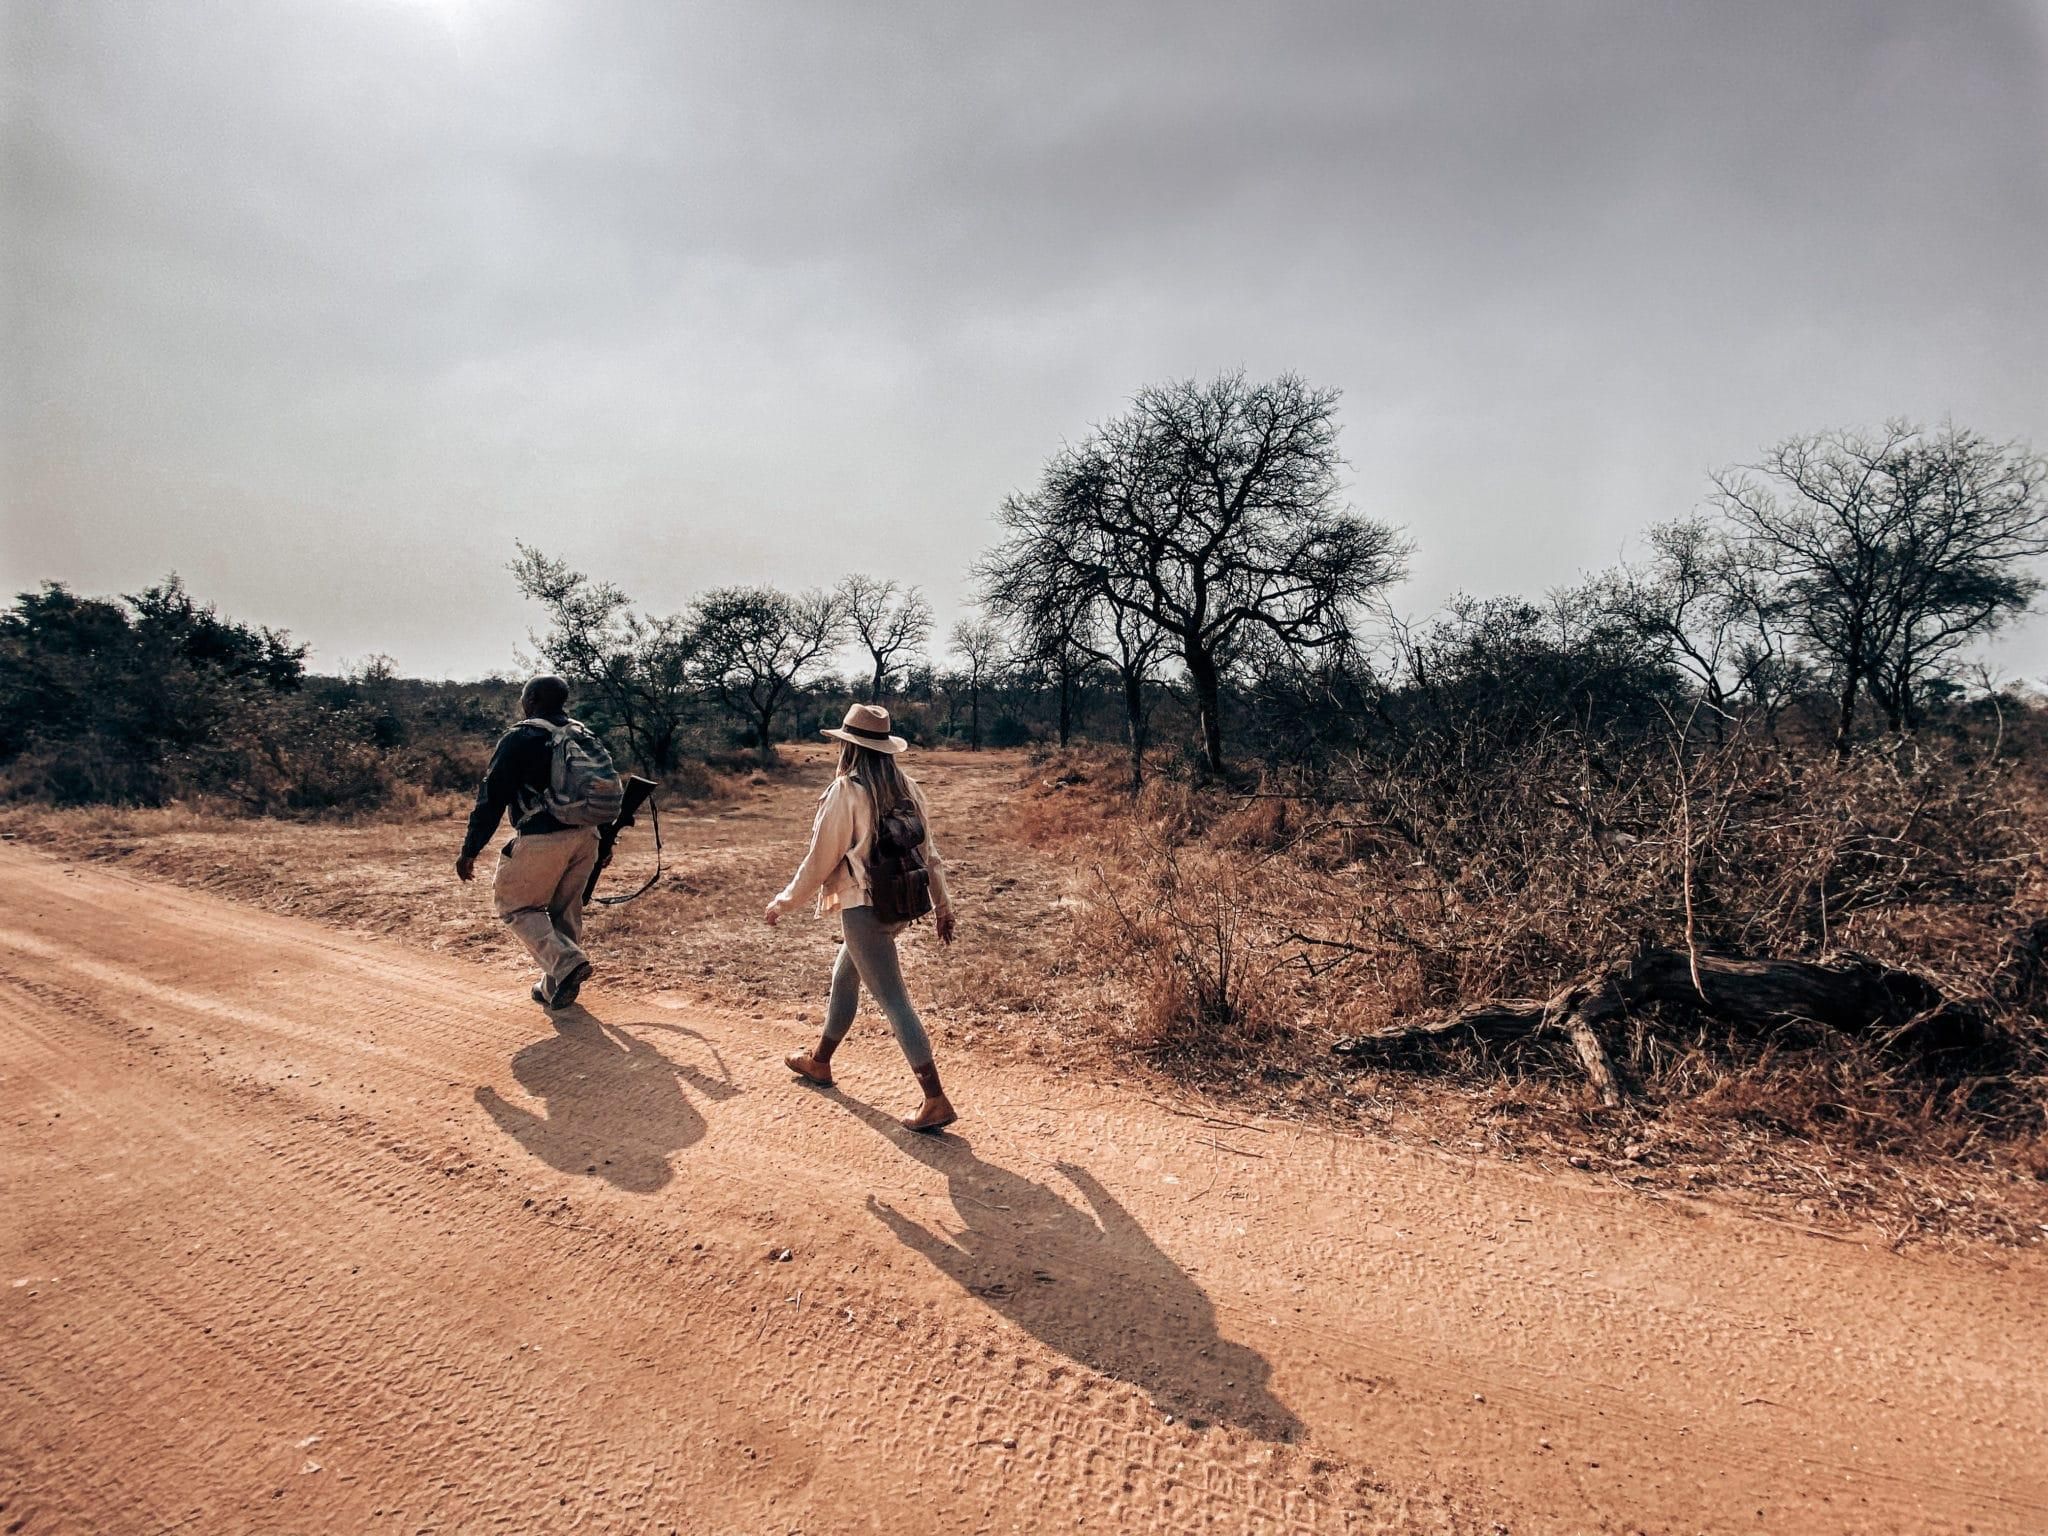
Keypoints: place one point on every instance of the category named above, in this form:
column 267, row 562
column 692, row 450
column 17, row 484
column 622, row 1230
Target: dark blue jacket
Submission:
column 521, row 769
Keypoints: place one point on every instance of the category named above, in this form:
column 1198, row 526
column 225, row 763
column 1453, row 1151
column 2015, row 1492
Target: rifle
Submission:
column 639, row 792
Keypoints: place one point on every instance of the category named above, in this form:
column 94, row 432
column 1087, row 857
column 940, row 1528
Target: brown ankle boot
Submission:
column 816, row 1064
column 936, row 1115
column 937, row 1112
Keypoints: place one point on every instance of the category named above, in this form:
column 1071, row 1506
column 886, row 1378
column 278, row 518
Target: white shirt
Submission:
column 835, row 869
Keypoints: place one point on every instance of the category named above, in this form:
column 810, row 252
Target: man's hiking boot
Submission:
column 936, row 1115
column 540, row 993
column 808, row 1067
column 564, row 995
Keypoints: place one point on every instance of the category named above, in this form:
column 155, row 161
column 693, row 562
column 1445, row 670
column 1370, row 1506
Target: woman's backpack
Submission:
column 899, row 886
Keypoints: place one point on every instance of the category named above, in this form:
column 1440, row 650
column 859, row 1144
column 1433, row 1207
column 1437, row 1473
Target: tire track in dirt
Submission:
column 269, row 1184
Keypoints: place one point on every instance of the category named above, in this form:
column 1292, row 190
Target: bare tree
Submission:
column 1068, row 665
column 979, row 645
column 889, row 621
column 635, row 668
column 1050, row 587
column 1212, row 511
column 1961, row 565
column 756, row 646
column 1705, row 597
column 1892, row 549
column 1051, row 633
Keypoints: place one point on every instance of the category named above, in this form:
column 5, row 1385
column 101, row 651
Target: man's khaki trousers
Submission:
column 539, row 893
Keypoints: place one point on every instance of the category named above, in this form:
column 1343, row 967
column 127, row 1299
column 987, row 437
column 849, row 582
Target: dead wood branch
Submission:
column 1903, row 1013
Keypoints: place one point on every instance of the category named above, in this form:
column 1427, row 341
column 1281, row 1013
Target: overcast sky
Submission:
column 324, row 304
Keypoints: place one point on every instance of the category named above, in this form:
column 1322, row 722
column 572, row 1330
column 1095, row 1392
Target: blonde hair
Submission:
column 877, row 773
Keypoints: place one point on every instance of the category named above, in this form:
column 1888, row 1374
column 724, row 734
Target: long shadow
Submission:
column 1086, row 1281
column 614, row 1104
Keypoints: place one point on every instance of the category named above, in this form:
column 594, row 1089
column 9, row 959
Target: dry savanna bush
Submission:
column 1451, row 886
column 1248, row 930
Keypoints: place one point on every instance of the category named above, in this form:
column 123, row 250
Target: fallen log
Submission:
column 1848, row 994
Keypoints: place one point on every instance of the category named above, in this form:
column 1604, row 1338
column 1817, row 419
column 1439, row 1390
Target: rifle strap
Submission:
column 653, row 810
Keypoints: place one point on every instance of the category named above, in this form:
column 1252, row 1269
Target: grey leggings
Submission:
column 867, row 953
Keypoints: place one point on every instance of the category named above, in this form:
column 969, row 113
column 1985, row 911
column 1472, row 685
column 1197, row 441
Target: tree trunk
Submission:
column 1904, row 1013
column 974, row 719
column 875, row 686
column 1208, row 686
column 1852, row 674
column 1906, row 722
column 767, row 729
column 1718, row 711
column 1134, row 724
column 1893, row 702
column 1066, row 705
column 1845, row 721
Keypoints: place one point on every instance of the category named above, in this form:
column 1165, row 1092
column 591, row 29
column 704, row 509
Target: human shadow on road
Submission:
column 1094, row 1287
column 615, row 1105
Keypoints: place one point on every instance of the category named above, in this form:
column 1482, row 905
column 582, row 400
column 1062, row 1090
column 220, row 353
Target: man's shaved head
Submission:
column 544, row 696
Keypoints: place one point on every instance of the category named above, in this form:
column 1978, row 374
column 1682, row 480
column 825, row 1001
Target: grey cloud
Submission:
column 324, row 303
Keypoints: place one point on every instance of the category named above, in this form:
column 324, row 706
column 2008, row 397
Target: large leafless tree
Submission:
column 1709, row 601
column 982, row 650
column 892, row 623
column 1212, row 511
column 757, row 646
column 1892, row 550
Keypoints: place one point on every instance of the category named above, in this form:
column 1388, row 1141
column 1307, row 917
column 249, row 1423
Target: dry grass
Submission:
column 1236, row 935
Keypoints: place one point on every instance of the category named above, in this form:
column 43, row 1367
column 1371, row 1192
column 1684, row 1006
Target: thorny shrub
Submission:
column 1208, row 983
column 1455, row 884
column 1414, row 882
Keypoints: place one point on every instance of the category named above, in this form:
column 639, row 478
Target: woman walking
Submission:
column 872, row 861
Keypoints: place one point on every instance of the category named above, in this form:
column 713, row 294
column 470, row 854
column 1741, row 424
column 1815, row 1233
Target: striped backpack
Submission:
column 584, row 787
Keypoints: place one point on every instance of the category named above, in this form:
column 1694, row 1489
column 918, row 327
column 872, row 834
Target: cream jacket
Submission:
column 835, row 870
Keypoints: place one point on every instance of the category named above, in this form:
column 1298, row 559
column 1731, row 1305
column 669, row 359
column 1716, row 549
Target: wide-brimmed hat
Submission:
column 867, row 725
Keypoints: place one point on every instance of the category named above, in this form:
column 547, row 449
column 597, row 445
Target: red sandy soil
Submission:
column 312, row 1230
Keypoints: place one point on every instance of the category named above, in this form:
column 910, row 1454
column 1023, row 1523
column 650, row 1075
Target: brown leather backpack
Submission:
column 899, row 885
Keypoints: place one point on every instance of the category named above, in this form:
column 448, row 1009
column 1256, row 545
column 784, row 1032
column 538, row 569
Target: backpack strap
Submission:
column 535, row 800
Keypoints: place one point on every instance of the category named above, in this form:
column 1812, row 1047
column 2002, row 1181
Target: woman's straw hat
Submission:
column 867, row 725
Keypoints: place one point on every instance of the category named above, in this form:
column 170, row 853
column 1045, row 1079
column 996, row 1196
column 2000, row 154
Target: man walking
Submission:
column 556, row 779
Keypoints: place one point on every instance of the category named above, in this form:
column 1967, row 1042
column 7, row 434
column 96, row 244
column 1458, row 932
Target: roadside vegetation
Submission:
column 1725, row 866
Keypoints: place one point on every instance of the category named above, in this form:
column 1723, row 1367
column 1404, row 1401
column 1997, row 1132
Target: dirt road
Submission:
column 305, row 1232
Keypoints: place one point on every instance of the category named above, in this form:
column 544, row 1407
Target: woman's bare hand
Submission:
column 772, row 915
column 945, row 926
